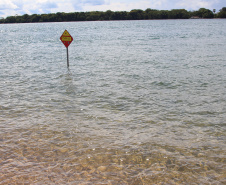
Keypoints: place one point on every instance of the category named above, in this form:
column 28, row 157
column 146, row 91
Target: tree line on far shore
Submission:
column 135, row 14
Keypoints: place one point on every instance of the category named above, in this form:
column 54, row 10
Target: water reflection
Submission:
column 67, row 82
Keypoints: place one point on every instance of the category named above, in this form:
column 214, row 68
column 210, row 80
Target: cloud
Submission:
column 13, row 7
column 38, row 7
column 45, row 7
column 119, row 5
column 6, row 4
column 82, row 4
column 1, row 13
column 95, row 2
column 48, row 5
column 196, row 4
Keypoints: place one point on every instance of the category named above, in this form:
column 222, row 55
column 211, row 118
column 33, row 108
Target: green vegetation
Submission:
column 135, row 14
column 222, row 13
column 203, row 13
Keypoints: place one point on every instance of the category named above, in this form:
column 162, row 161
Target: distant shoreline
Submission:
column 116, row 20
column 136, row 14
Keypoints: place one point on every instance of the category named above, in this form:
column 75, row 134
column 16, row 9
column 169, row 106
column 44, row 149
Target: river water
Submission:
column 143, row 102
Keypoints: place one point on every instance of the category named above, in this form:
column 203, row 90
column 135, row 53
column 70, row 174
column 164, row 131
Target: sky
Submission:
column 21, row 7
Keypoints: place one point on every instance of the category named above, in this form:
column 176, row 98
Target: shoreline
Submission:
column 116, row 20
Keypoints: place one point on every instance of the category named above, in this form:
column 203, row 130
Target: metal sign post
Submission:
column 66, row 38
column 67, row 58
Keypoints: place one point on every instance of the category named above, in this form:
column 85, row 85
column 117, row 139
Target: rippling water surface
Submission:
column 144, row 102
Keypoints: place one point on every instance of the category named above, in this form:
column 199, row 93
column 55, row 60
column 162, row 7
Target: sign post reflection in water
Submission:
column 66, row 38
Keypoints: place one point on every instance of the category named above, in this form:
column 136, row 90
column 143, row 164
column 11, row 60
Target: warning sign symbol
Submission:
column 66, row 33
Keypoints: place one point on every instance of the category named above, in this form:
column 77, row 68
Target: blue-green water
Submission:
column 144, row 102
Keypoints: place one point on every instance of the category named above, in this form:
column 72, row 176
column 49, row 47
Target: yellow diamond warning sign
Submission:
column 66, row 38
